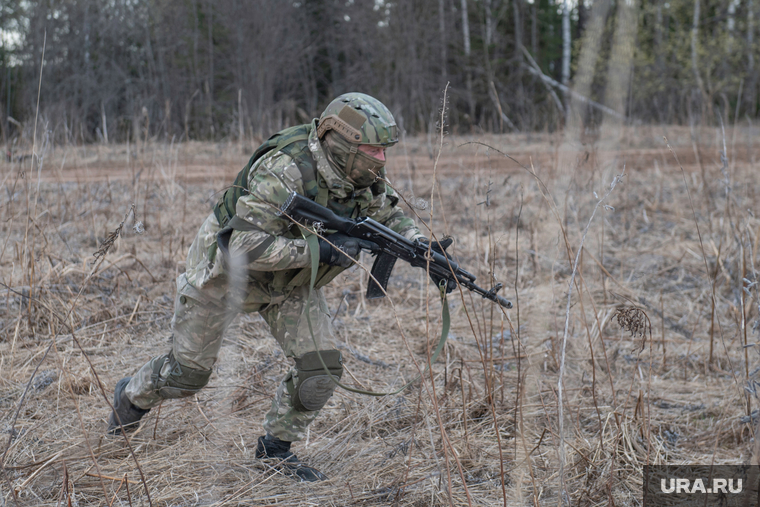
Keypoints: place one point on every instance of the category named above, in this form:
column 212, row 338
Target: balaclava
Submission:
column 359, row 168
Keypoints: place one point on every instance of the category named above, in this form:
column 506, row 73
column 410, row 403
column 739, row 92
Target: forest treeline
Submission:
column 236, row 69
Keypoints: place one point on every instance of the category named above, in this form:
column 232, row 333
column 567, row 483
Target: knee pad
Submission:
column 173, row 380
column 314, row 386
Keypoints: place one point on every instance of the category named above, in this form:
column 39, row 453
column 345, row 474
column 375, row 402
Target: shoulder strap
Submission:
column 225, row 207
column 237, row 223
column 322, row 191
column 301, row 155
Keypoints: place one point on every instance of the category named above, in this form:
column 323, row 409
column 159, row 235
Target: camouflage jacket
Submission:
column 270, row 182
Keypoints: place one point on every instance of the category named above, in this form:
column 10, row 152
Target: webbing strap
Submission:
column 350, row 161
column 313, row 241
column 224, row 209
column 238, row 224
column 322, row 191
column 288, row 141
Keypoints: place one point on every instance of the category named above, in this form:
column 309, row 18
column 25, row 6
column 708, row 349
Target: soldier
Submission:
column 337, row 161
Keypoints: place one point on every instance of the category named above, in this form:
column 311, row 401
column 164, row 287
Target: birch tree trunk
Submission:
column 467, row 51
column 518, row 31
column 499, row 115
column 584, row 76
column 442, row 32
column 751, row 87
column 695, row 55
column 489, row 22
column 210, row 81
column 565, row 42
column 658, row 37
column 196, row 70
column 104, row 121
column 466, row 29
column 518, row 71
column 730, row 30
column 241, row 128
column 619, row 68
column 751, row 34
column 4, row 117
column 534, row 30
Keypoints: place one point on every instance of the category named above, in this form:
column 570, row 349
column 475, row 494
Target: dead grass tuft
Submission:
column 634, row 320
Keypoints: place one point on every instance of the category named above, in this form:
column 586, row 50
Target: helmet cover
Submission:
column 359, row 119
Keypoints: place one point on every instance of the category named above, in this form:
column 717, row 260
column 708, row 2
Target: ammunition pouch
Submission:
column 172, row 380
column 314, row 385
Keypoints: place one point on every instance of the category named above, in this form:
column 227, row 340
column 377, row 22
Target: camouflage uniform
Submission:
column 208, row 297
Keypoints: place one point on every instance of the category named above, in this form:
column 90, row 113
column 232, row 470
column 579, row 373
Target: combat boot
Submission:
column 271, row 447
column 129, row 414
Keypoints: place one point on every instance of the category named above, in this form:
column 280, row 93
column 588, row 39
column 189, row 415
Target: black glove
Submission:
column 350, row 247
column 440, row 247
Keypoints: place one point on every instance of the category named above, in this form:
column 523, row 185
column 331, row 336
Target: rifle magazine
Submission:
column 381, row 271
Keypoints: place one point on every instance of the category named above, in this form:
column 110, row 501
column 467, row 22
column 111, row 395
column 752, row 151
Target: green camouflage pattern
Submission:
column 380, row 127
column 200, row 318
column 290, row 328
column 292, row 142
column 210, row 294
column 198, row 326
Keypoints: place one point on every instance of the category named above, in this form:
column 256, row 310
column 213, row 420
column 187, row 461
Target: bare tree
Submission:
column 703, row 102
column 214, row 68
column 752, row 85
column 467, row 51
column 566, row 42
column 620, row 67
column 584, row 76
column 731, row 23
column 209, row 83
column 442, row 32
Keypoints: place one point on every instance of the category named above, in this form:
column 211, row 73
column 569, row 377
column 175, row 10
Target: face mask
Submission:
column 358, row 167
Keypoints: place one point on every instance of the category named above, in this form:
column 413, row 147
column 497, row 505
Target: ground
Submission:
column 655, row 345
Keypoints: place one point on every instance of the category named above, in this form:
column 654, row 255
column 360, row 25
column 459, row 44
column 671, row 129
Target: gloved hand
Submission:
column 440, row 247
column 350, row 246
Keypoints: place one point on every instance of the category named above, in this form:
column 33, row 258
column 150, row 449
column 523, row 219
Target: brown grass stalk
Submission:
column 100, row 256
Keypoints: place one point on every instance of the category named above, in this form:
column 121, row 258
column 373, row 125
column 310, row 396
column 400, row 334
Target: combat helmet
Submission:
column 359, row 119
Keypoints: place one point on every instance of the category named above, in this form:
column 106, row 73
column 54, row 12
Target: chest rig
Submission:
column 293, row 142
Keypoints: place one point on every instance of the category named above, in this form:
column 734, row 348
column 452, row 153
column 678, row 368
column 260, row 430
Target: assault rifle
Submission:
column 390, row 246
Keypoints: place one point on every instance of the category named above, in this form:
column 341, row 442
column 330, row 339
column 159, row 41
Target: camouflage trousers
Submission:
column 202, row 315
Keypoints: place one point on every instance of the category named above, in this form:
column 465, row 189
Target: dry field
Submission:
column 642, row 352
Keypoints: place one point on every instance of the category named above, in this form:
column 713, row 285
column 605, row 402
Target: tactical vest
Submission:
column 293, row 142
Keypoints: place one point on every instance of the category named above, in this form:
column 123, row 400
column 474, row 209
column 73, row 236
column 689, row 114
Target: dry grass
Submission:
column 668, row 386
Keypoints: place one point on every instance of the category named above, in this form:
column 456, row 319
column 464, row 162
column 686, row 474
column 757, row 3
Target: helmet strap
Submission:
column 350, row 160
